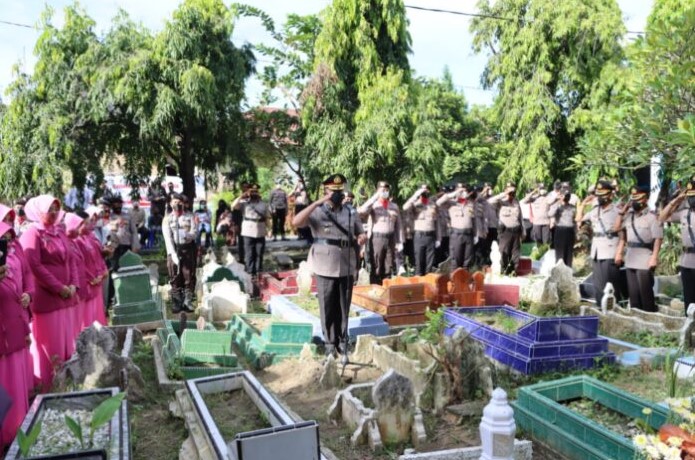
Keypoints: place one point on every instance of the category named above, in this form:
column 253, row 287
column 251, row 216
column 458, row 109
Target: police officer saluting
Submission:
column 642, row 233
column 426, row 237
column 605, row 224
column 336, row 230
column 510, row 227
column 254, row 213
column 467, row 220
column 179, row 232
column 386, row 230
column 682, row 210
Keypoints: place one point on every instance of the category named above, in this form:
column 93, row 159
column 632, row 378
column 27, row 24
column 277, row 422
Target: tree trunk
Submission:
column 187, row 167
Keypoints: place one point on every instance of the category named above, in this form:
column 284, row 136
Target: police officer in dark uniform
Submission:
column 179, row 231
column 336, row 230
column 510, row 227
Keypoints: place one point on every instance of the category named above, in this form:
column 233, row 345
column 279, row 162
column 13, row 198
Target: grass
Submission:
column 155, row 433
column 234, row 412
column 647, row 339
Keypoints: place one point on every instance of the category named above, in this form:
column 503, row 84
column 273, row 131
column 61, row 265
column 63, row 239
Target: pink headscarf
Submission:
column 37, row 207
column 72, row 221
column 4, row 228
column 4, row 211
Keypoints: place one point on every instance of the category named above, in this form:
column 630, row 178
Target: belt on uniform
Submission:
column 331, row 242
column 689, row 250
column 421, row 233
column 254, row 219
column 461, row 231
column 512, row 229
column 184, row 245
column 607, row 234
column 382, row 235
column 634, row 244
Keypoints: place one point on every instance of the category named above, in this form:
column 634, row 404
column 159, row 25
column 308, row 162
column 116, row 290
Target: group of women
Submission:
column 50, row 289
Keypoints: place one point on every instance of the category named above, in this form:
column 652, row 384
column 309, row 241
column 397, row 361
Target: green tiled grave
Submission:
column 538, row 410
column 264, row 340
column 135, row 303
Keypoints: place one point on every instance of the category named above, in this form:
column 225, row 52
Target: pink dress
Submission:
column 47, row 251
column 96, row 266
column 14, row 330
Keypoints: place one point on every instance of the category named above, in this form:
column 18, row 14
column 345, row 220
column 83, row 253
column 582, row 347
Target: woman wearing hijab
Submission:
column 96, row 269
column 7, row 215
column 73, row 224
column 48, row 253
column 14, row 330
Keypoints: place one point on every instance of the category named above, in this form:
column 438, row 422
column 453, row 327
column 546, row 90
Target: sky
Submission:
column 439, row 39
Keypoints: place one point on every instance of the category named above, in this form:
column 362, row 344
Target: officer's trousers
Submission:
column 442, row 252
column 540, row 234
column 182, row 276
column 563, row 243
column 383, row 255
column 461, row 248
column 254, row 248
column 605, row 271
column 640, row 288
column 510, row 249
column 279, row 222
column 423, row 246
column 484, row 246
column 688, row 282
column 334, row 295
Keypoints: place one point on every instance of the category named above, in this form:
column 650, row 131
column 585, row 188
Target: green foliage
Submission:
column 76, row 429
column 27, row 441
column 670, row 251
column 539, row 251
column 649, row 339
column 103, row 413
column 434, row 327
column 544, row 61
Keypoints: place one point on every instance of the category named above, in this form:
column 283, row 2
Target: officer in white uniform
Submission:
column 179, row 231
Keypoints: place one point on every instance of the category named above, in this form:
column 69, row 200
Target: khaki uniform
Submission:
column 278, row 208
column 604, row 245
column 426, row 232
column 540, row 233
column 563, row 215
column 686, row 219
column 124, row 235
column 641, row 228
column 253, row 231
column 466, row 221
column 385, row 231
column 510, row 231
column 442, row 252
column 179, row 233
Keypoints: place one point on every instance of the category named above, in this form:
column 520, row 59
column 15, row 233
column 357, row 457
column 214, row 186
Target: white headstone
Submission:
column 496, row 259
column 304, row 278
column 240, row 272
column 224, row 300
column 547, row 262
column 686, row 332
column 363, row 277
column 497, row 428
column 608, row 299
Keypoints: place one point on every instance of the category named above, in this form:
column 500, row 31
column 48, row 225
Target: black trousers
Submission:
column 640, row 288
column 510, row 249
column 540, row 234
column 279, row 222
column 423, row 246
column 442, row 252
column 114, row 266
column 563, row 243
column 383, row 257
column 254, row 249
column 461, row 249
column 484, row 246
column 688, row 282
column 605, row 271
column 409, row 252
column 335, row 296
column 182, row 276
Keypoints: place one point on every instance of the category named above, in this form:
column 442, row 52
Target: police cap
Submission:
column 335, row 182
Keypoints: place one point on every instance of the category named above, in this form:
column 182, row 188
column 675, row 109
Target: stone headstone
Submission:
column 608, row 299
column 200, row 324
column 394, row 400
column 304, row 278
column 547, row 262
column 240, row 272
column 446, row 267
column 330, row 378
column 225, row 299
column 134, row 300
column 497, row 428
column 363, row 277
column 97, row 362
column 154, row 274
column 283, row 260
column 686, row 333
column 496, row 258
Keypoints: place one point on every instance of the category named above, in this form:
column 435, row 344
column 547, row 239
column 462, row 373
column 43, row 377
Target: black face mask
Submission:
column 511, row 196
column 20, row 212
column 602, row 201
column 179, row 207
column 637, row 205
column 117, row 209
column 691, row 201
column 472, row 195
column 425, row 195
column 337, row 198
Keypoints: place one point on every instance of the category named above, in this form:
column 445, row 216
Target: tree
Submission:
column 545, row 58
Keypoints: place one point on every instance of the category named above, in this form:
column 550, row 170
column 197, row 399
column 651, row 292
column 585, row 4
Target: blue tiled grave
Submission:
column 367, row 322
column 539, row 344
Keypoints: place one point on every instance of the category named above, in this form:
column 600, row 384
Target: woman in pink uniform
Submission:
column 47, row 251
column 97, row 271
column 14, row 334
column 7, row 215
column 73, row 223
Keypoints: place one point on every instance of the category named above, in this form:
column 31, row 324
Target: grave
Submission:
column 239, row 270
column 380, row 413
column 197, row 353
column 365, row 321
column 224, row 299
column 135, row 303
column 280, row 283
column 620, row 320
column 540, row 413
column 294, row 439
column 264, row 340
column 115, row 434
column 531, row 344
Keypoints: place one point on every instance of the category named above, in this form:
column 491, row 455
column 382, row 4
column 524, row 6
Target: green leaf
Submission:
column 26, row 442
column 76, row 429
column 103, row 413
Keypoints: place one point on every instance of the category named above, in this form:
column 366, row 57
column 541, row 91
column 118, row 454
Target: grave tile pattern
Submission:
column 543, row 344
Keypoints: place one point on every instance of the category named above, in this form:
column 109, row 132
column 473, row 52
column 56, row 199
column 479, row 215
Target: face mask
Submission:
column 179, row 207
column 602, row 201
column 472, row 196
column 637, row 205
column 691, row 201
column 20, row 212
column 511, row 195
column 385, row 195
column 117, row 210
column 425, row 195
column 337, row 198
column 566, row 198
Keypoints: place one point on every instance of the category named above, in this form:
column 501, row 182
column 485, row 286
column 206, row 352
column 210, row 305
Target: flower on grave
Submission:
column 646, row 411
column 640, row 440
column 652, row 448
